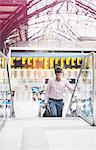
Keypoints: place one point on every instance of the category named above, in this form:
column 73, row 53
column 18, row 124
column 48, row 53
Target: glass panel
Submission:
column 83, row 95
column 95, row 91
column 5, row 93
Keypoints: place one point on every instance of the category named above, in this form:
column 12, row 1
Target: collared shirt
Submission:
column 56, row 89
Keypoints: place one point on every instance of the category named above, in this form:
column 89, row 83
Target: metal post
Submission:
column 4, row 101
column 12, row 112
column 94, row 88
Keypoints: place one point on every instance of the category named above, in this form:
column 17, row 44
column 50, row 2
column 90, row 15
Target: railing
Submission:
column 6, row 101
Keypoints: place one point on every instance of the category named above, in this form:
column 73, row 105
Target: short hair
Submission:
column 58, row 69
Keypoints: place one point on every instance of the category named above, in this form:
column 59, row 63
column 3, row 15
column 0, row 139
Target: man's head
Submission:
column 58, row 72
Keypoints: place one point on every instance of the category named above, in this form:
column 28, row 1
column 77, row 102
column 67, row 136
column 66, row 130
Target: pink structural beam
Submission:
column 88, row 9
column 20, row 16
column 12, row 2
column 9, row 13
column 15, row 22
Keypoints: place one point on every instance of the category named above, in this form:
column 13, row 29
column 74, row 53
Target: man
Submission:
column 55, row 92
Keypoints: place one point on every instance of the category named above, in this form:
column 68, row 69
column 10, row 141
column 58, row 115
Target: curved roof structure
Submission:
column 35, row 19
column 10, row 13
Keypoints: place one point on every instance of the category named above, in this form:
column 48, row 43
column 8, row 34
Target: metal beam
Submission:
column 13, row 24
column 10, row 18
column 6, row 12
column 8, row 4
column 3, row 19
column 12, row 2
column 87, row 8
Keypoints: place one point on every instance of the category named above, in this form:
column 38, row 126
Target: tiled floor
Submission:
column 26, row 132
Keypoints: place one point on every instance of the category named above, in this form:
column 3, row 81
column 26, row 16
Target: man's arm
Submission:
column 69, row 86
column 47, row 91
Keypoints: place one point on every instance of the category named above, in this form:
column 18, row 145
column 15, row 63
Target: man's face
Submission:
column 58, row 76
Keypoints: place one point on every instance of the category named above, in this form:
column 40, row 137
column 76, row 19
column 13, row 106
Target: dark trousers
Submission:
column 56, row 107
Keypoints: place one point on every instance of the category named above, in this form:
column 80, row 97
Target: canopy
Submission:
column 50, row 54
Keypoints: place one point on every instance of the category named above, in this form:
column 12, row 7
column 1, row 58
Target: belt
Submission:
column 55, row 99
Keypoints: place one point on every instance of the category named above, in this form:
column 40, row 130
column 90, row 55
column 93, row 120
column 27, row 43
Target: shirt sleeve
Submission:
column 47, row 91
column 69, row 86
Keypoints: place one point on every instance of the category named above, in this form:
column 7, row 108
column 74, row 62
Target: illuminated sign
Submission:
column 2, row 63
column 45, row 63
